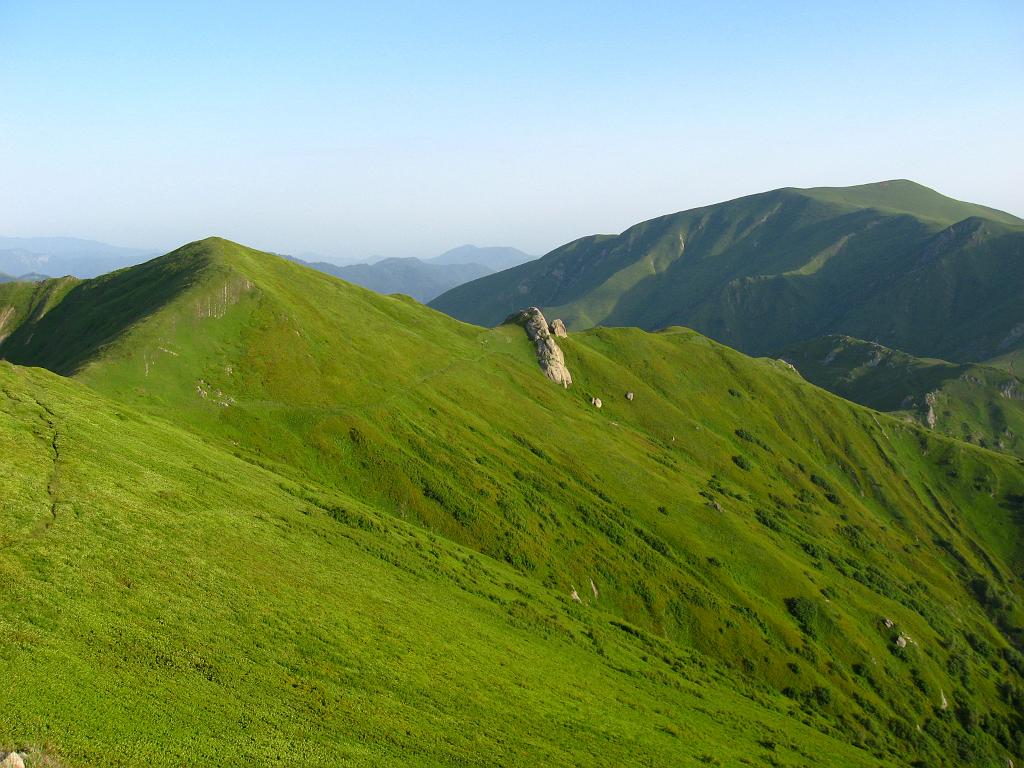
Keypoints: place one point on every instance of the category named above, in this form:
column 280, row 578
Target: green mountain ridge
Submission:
column 892, row 262
column 981, row 404
column 347, row 527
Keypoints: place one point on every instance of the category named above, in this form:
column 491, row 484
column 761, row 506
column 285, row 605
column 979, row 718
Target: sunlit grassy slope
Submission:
column 167, row 604
column 354, row 482
column 892, row 262
column 982, row 404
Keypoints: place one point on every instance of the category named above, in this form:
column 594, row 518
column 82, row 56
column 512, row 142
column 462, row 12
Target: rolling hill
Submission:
column 344, row 527
column 894, row 263
column 981, row 404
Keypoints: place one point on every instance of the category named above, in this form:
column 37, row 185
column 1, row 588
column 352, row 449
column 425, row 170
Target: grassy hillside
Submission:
column 894, row 262
column 167, row 604
column 981, row 404
column 731, row 515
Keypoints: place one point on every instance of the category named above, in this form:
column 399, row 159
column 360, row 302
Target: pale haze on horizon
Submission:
column 409, row 128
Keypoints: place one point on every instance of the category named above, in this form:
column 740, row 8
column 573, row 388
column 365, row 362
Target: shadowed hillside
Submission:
column 981, row 404
column 894, row 262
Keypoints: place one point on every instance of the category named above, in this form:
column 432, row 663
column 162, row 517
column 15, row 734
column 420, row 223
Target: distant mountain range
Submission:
column 35, row 258
column 59, row 256
column 495, row 258
column 30, row 277
column 425, row 279
column 892, row 262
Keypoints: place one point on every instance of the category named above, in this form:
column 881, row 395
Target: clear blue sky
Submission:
column 408, row 128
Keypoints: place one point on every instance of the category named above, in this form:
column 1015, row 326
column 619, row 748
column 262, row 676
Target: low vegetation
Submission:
column 272, row 516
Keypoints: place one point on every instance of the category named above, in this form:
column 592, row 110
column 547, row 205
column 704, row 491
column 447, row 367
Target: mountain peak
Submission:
column 903, row 196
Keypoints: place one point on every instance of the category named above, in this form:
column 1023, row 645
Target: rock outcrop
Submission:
column 557, row 328
column 11, row 760
column 549, row 355
column 930, row 418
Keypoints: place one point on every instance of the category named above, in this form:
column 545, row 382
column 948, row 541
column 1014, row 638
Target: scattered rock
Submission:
column 593, row 588
column 557, row 328
column 549, row 355
column 944, row 704
column 11, row 760
column 903, row 640
column 889, row 623
column 575, row 595
column 596, row 402
column 629, row 396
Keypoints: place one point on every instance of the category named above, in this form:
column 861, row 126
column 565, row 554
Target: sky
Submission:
column 405, row 129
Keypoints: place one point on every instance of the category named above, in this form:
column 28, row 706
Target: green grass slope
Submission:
column 893, row 262
column 731, row 510
column 167, row 604
column 981, row 404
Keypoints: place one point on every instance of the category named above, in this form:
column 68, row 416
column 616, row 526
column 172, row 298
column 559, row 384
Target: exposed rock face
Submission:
column 11, row 760
column 549, row 355
column 930, row 418
column 557, row 327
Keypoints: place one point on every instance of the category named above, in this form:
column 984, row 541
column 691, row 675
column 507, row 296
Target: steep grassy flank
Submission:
column 166, row 604
column 731, row 509
column 893, row 262
column 981, row 404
